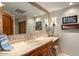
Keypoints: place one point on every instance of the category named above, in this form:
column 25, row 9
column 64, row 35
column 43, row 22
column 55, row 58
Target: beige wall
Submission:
column 69, row 39
column 30, row 26
column 0, row 20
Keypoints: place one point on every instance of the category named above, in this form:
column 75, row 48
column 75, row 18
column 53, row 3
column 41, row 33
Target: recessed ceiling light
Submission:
column 71, row 3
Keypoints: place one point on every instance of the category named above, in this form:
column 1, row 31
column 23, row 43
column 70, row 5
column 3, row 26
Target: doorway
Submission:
column 7, row 24
column 22, row 27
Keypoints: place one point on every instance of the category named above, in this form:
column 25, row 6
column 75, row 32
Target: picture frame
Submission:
column 39, row 25
column 69, row 19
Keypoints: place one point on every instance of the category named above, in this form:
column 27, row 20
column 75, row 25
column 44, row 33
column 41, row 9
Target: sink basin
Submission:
column 33, row 42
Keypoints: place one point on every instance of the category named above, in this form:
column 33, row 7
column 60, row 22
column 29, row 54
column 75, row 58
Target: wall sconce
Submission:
column 54, row 23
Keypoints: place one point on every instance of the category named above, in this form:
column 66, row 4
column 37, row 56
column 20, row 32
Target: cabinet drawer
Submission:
column 45, row 50
column 39, row 52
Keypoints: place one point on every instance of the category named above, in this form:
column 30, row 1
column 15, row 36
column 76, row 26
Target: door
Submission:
column 22, row 27
column 7, row 24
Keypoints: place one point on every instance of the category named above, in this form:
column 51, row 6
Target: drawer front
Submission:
column 45, row 50
column 39, row 52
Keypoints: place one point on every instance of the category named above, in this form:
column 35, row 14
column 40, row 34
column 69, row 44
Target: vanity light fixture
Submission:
column 71, row 3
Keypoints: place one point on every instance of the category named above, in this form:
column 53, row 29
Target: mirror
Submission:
column 24, row 23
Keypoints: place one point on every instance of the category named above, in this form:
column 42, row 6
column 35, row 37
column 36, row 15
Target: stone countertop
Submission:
column 21, row 48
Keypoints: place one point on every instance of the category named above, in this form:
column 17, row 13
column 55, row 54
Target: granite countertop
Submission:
column 21, row 48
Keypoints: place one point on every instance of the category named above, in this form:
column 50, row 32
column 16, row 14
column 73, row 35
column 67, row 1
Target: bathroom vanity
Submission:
column 42, row 46
column 43, row 50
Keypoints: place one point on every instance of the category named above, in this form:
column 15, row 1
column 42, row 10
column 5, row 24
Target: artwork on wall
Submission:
column 69, row 19
column 39, row 25
column 69, row 23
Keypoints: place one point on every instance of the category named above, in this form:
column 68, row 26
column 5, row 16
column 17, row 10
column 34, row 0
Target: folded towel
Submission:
column 4, row 43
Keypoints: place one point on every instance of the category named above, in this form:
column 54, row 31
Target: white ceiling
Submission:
column 32, row 10
column 53, row 6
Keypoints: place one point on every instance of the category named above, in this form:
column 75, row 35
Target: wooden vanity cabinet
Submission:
column 40, row 52
column 49, row 49
column 45, row 50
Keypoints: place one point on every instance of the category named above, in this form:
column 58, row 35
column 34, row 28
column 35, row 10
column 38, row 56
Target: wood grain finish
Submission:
column 70, row 26
column 22, row 27
column 45, row 50
column 7, row 24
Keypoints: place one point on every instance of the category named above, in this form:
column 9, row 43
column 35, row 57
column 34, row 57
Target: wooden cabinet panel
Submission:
column 70, row 26
column 45, row 50
column 22, row 27
column 40, row 51
column 7, row 24
column 49, row 49
column 44, row 54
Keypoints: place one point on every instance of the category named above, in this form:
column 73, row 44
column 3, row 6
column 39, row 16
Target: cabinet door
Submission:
column 39, row 53
column 49, row 49
column 36, row 53
column 43, row 52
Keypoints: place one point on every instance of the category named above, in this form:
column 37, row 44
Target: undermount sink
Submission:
column 33, row 42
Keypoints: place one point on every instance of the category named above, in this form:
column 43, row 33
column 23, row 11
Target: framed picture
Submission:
column 39, row 25
column 69, row 19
